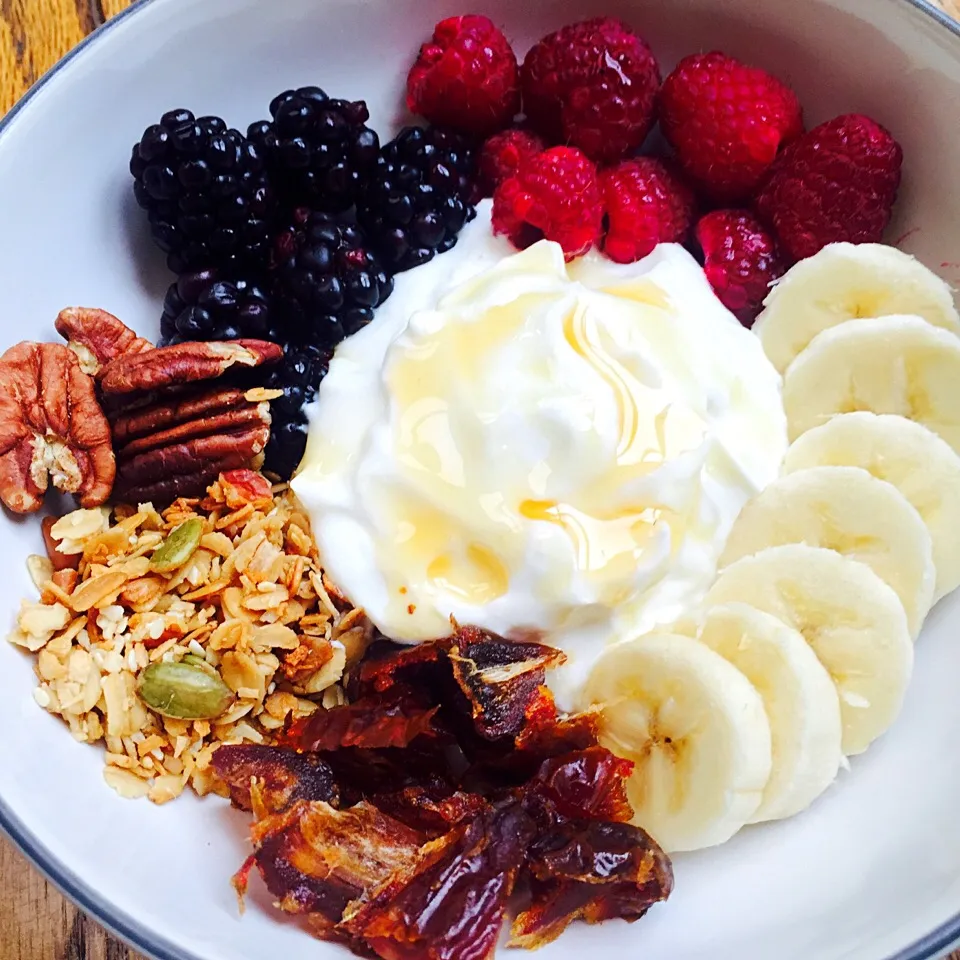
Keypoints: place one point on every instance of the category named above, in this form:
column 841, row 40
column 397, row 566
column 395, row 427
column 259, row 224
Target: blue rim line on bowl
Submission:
column 935, row 944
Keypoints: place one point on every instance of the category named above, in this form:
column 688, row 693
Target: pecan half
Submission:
column 97, row 337
column 51, row 428
column 182, row 469
column 147, row 422
column 184, row 363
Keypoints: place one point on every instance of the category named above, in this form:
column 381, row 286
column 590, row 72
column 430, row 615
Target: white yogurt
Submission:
column 528, row 445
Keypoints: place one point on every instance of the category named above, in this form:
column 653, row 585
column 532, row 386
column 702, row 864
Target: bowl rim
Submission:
column 119, row 923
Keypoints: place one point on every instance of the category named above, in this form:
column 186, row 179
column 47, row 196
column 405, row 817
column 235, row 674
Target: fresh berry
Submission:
column 555, row 196
column 502, row 156
column 326, row 283
column 740, row 260
column 592, row 85
column 199, row 306
column 838, row 182
column 298, row 377
column 419, row 197
column 646, row 204
column 726, row 122
column 206, row 192
column 319, row 150
column 466, row 77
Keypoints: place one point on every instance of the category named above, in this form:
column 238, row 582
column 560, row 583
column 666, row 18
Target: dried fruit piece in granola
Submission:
column 184, row 363
column 51, row 428
column 97, row 337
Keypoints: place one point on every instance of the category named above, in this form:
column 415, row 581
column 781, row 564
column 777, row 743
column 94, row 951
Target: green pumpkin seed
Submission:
column 179, row 546
column 200, row 664
column 184, row 691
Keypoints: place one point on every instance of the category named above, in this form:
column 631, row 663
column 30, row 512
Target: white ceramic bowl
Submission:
column 872, row 872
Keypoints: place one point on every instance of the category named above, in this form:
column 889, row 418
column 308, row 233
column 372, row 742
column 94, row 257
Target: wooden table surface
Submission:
column 36, row 923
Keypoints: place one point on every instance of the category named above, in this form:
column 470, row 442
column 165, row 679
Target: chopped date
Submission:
column 401, row 822
column 547, row 734
column 587, row 785
column 387, row 664
column 282, row 777
column 316, row 859
column 433, row 808
column 393, row 720
column 589, row 870
column 451, row 904
column 367, row 774
column 499, row 678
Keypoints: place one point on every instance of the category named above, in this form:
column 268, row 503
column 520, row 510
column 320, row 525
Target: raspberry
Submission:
column 502, row 155
column 726, row 121
column 646, row 204
column 837, row 182
column 556, row 196
column 466, row 77
column 740, row 260
column 592, row 85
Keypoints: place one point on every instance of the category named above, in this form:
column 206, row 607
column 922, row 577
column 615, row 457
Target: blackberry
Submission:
column 298, row 376
column 319, row 150
column 206, row 192
column 200, row 306
column 325, row 283
column 420, row 197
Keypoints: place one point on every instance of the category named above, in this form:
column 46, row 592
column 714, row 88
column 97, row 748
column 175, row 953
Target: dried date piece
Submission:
column 394, row 720
column 587, row 785
column 589, row 870
column 433, row 809
column 368, row 774
column 316, row 859
column 281, row 777
column 450, row 904
column 97, row 337
column 51, row 429
column 547, row 734
column 184, row 363
column 499, row 678
column 388, row 663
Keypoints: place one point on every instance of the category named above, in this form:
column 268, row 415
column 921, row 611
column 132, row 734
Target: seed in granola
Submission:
column 184, row 691
column 179, row 546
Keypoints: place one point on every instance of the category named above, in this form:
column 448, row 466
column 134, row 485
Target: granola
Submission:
column 163, row 634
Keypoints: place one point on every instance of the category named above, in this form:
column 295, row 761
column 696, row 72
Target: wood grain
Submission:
column 36, row 923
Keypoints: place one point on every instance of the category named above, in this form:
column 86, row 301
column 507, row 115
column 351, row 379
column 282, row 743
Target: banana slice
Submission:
column 847, row 510
column 852, row 620
column 917, row 462
column 847, row 281
column 896, row 365
column 695, row 728
column 800, row 698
